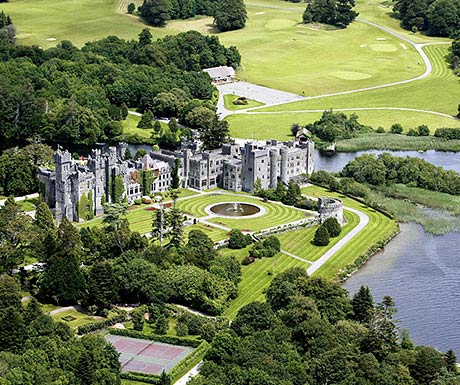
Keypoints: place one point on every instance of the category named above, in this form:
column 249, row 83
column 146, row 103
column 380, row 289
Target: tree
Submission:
column 101, row 288
column 146, row 120
column 164, row 379
column 173, row 126
column 321, row 237
column 32, row 311
column 131, row 8
column 238, row 240
column 363, row 305
column 333, row 227
column 128, row 154
column 140, row 154
column 175, row 179
column 451, row 361
column 155, row 12
column 345, row 13
column 396, row 128
column 138, row 318
column 200, row 249
column 12, row 330
column 15, row 235
column 62, row 281
column 117, row 189
column 10, row 293
column 230, row 15
column 145, row 37
column 423, row 130
column 292, row 195
column 157, row 127
column 176, row 221
column 114, row 214
column 256, row 316
column 161, row 324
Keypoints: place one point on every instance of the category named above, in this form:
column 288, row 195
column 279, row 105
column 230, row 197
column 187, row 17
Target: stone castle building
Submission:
column 232, row 167
column 331, row 208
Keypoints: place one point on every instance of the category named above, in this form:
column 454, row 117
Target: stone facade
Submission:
column 330, row 208
column 231, row 167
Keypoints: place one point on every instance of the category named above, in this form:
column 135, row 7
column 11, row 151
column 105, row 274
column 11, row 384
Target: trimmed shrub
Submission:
column 173, row 340
column 321, row 236
column 447, row 133
column 333, row 227
column 396, row 128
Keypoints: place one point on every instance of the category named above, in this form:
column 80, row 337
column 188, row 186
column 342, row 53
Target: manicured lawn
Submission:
column 212, row 232
column 80, row 318
column 277, row 50
column 299, row 242
column 130, row 127
column 276, row 214
column 229, row 98
column 435, row 93
column 378, row 228
column 277, row 126
column 257, row 276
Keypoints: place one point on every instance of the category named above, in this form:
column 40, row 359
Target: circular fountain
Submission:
column 235, row 209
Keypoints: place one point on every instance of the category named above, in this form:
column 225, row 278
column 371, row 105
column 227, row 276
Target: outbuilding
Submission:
column 221, row 74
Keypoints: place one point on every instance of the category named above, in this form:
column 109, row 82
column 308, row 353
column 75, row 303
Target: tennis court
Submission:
column 149, row 357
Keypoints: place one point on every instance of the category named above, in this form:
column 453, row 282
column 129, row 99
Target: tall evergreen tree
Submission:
column 101, row 287
column 10, row 292
column 12, row 330
column 451, row 361
column 62, row 280
column 321, row 237
column 363, row 305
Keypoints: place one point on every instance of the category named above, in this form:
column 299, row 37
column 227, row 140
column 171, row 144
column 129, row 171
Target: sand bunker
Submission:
column 403, row 46
column 381, row 38
column 363, row 45
column 51, row 39
column 260, row 13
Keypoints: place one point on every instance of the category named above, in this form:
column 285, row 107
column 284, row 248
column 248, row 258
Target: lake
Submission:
column 422, row 274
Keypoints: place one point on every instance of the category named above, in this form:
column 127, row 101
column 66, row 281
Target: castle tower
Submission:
column 273, row 167
column 284, row 165
column 96, row 166
column 64, row 207
column 186, row 166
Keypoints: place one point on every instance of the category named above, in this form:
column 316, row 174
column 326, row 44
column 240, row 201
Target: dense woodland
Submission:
column 71, row 95
column 34, row 349
column 310, row 332
column 435, row 17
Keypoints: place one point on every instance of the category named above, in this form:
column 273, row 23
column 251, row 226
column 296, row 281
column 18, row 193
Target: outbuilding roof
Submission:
column 220, row 72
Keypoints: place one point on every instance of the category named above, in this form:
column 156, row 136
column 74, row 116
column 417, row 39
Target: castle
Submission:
column 232, row 167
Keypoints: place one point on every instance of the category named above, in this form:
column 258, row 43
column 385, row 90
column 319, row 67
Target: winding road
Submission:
column 223, row 112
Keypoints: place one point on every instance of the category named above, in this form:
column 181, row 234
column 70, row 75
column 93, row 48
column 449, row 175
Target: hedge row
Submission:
column 189, row 362
column 98, row 325
column 141, row 377
column 362, row 259
column 447, row 133
column 173, row 340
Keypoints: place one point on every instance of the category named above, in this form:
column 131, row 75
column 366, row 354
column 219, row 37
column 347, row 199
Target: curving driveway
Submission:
column 363, row 221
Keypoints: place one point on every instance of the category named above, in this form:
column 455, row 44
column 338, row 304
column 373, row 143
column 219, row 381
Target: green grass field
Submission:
column 257, row 276
column 277, row 126
column 130, row 127
column 379, row 227
column 299, row 242
column 276, row 214
column 229, row 98
column 80, row 318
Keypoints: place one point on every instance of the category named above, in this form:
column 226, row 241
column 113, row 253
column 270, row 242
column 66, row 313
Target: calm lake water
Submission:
column 422, row 274
column 335, row 163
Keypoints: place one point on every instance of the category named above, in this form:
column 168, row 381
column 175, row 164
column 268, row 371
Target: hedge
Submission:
column 173, row 340
column 141, row 377
column 447, row 133
column 189, row 362
column 98, row 325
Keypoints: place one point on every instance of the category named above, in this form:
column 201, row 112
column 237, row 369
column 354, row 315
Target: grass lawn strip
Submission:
column 298, row 242
column 379, row 228
column 229, row 98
